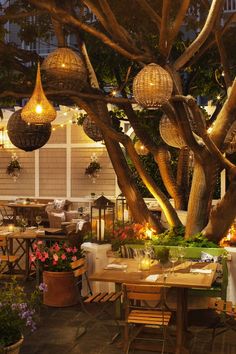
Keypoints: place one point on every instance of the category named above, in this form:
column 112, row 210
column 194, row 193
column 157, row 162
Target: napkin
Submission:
column 116, row 266
column 203, row 271
column 152, row 277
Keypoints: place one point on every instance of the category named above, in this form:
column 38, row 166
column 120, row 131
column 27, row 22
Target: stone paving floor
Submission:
column 58, row 329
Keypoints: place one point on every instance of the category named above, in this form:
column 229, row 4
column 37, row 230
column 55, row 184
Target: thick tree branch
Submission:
column 64, row 17
column 224, row 59
column 164, row 31
column 215, row 9
column 163, row 201
column 178, row 22
column 154, row 17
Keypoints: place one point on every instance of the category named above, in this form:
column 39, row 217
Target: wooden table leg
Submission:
column 181, row 321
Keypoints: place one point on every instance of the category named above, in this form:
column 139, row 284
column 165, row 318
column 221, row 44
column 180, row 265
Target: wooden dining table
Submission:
column 20, row 244
column 182, row 279
column 27, row 210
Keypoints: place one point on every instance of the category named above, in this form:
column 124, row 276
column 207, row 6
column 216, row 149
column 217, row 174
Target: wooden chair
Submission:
column 140, row 315
column 225, row 317
column 6, row 214
column 6, row 260
column 103, row 301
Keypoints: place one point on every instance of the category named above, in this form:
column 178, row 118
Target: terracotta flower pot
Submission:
column 14, row 348
column 61, row 289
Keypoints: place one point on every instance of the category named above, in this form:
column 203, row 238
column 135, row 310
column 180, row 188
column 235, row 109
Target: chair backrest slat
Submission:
column 79, row 267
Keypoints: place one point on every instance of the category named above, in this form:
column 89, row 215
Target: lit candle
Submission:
column 101, row 224
column 11, row 228
column 126, row 215
column 145, row 263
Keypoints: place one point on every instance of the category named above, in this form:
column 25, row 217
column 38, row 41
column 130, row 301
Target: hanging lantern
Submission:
column 27, row 137
column 122, row 210
column 170, row 133
column 91, row 129
column 140, row 148
column 102, row 217
column 65, row 69
column 38, row 110
column 152, row 86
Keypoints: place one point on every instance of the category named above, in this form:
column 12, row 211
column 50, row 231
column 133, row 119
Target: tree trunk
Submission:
column 197, row 215
column 162, row 157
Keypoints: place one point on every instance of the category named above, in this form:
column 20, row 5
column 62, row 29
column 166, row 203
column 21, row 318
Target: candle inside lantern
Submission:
column 11, row 228
column 100, row 231
column 145, row 263
column 126, row 215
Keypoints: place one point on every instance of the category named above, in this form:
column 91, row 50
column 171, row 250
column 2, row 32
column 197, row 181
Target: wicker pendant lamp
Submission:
column 27, row 137
column 152, row 86
column 38, row 110
column 140, row 148
column 65, row 69
column 91, row 129
column 170, row 133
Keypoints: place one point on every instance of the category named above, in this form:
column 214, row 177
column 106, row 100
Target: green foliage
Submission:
column 175, row 237
column 93, row 168
column 12, row 166
column 18, row 311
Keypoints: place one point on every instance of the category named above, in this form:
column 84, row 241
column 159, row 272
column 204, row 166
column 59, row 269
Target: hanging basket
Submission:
column 170, row 133
column 65, row 69
column 27, row 137
column 92, row 130
column 153, row 86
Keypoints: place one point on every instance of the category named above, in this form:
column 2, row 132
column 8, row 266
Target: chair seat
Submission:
column 221, row 306
column 152, row 317
column 10, row 259
column 103, row 297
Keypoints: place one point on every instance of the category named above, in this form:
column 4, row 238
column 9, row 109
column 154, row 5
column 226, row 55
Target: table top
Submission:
column 31, row 233
column 181, row 278
column 29, row 205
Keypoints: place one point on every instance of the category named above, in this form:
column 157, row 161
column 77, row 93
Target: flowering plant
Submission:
column 18, row 311
column 131, row 233
column 56, row 258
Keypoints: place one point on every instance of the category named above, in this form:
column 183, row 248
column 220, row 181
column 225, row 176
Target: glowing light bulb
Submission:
column 62, row 125
column 218, row 97
column 63, row 65
column 38, row 109
column 53, row 129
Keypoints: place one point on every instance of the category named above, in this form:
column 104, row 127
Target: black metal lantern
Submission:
column 27, row 137
column 102, row 217
column 122, row 210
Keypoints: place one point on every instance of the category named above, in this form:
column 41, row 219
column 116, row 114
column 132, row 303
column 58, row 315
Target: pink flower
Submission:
column 43, row 259
column 68, row 249
column 40, row 242
column 32, row 258
column 54, row 263
column 74, row 258
column 56, row 247
column 46, row 255
column 63, row 256
column 74, row 250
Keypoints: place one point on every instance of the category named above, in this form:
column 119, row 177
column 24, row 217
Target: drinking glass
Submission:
column 137, row 256
column 181, row 251
column 38, row 220
column 24, row 223
column 173, row 257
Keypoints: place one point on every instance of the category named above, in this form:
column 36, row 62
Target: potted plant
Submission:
column 55, row 263
column 93, row 169
column 18, row 314
column 14, row 167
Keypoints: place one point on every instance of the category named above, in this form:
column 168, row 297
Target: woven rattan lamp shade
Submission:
column 65, row 68
column 140, row 148
column 27, row 137
column 92, row 130
column 170, row 133
column 152, row 86
column 38, row 110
